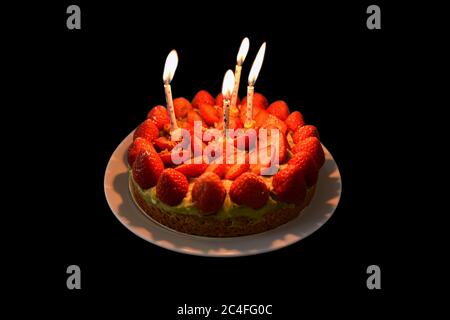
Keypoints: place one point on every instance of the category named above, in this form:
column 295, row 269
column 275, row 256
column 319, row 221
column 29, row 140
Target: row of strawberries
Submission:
column 149, row 154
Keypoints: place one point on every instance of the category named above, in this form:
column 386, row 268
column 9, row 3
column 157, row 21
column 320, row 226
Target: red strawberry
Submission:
column 295, row 120
column 208, row 193
column 181, row 107
column 307, row 165
column 166, row 158
column 193, row 116
column 261, row 118
column 259, row 101
column 312, row 147
column 209, row 113
column 192, row 170
column 273, row 121
column 202, row 96
column 282, row 143
column 219, row 100
column 249, row 189
column 172, row 187
column 137, row 146
column 279, row 109
column 305, row 132
column 236, row 170
column 164, row 143
column 147, row 168
column 147, row 130
column 218, row 168
column 289, row 185
column 159, row 116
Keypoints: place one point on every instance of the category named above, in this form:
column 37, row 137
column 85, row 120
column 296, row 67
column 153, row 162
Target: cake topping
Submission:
column 192, row 170
column 294, row 120
column 159, row 116
column 208, row 193
column 305, row 132
column 209, row 114
column 306, row 163
column 147, row 168
column 249, row 189
column 236, row 170
column 147, row 130
column 181, row 106
column 279, row 109
column 172, row 187
column 202, row 96
column 313, row 147
column 138, row 145
column 289, row 185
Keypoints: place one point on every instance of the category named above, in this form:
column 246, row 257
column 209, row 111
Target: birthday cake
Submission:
column 214, row 194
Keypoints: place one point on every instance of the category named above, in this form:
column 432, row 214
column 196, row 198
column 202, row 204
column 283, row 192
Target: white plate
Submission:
column 321, row 208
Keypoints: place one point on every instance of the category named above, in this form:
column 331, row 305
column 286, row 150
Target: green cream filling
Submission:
column 229, row 208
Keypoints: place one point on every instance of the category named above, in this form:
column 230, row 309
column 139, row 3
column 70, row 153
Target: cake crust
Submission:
column 211, row 226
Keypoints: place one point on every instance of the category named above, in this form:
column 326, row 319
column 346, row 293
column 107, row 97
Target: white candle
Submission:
column 243, row 50
column 254, row 72
column 227, row 87
column 169, row 71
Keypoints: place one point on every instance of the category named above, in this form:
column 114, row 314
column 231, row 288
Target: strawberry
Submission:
column 164, row 143
column 209, row 113
column 307, row 165
column 282, row 143
column 261, row 118
column 172, row 187
column 192, row 170
column 181, row 107
column 249, row 189
column 147, row 130
column 219, row 100
column 273, row 121
column 259, row 101
column 147, row 168
column 137, row 146
column 202, row 96
column 279, row 109
column 305, row 132
column 289, row 185
column 208, row 193
column 218, row 168
column 166, row 158
column 159, row 116
column 312, row 147
column 294, row 121
column 236, row 170
column 193, row 116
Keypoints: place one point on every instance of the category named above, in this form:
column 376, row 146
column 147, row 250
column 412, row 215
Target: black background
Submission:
column 92, row 86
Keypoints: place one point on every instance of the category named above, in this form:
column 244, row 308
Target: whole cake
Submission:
column 217, row 197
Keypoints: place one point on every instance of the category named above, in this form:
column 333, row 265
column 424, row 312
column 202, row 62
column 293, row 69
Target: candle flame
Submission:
column 256, row 66
column 243, row 50
column 170, row 66
column 228, row 84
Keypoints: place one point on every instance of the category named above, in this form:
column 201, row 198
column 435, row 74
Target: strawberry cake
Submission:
column 219, row 199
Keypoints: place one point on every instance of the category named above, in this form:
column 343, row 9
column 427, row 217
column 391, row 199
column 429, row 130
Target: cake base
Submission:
column 211, row 226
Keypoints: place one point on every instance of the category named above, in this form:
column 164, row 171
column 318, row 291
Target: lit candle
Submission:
column 169, row 71
column 243, row 50
column 254, row 71
column 227, row 88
